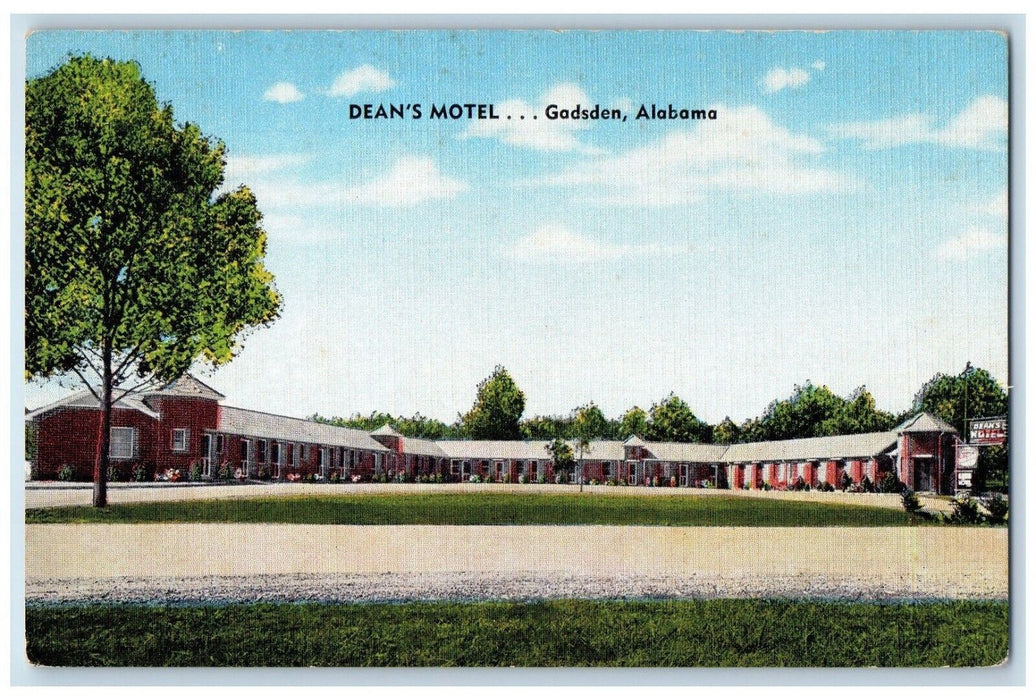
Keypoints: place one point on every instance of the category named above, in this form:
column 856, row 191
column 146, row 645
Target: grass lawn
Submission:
column 488, row 509
column 557, row 633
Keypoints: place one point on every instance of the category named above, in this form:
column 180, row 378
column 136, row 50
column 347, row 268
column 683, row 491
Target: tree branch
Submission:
column 89, row 388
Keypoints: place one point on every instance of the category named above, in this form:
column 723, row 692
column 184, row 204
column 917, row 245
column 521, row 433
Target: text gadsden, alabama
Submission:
column 551, row 112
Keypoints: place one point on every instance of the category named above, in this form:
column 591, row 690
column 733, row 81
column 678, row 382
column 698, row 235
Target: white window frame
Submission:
column 132, row 442
column 186, row 439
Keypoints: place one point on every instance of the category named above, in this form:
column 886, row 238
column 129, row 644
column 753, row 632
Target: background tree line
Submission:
column 810, row 411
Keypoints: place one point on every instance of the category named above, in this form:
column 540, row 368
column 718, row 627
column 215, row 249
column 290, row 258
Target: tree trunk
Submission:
column 104, row 447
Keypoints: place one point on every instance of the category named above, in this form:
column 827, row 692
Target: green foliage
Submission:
column 563, row 456
column 498, row 409
column 944, row 396
column 726, row 433
column 30, row 441
column 491, row 509
column 547, row 428
column 673, row 421
column 867, row 485
column 135, row 263
column 890, row 483
column 911, row 503
column 416, row 426
column 141, row 472
column 846, row 482
column 996, row 506
column 633, row 422
column 965, row 512
column 66, row 473
column 195, row 472
column 813, row 411
column 685, row 633
column 589, row 423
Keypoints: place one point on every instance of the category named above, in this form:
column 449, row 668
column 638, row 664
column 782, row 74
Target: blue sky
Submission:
column 844, row 220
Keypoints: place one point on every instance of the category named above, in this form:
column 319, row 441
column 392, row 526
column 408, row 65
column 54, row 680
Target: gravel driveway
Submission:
column 215, row 562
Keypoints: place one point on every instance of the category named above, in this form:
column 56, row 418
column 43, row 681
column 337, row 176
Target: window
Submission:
column 179, row 439
column 608, row 470
column 322, row 458
column 302, row 452
column 275, row 453
column 261, row 449
column 291, row 454
column 219, row 444
column 121, row 443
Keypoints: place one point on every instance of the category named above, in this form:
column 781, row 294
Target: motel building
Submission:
column 184, row 425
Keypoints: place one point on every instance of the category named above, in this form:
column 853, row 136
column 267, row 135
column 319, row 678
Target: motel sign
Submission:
column 988, row 431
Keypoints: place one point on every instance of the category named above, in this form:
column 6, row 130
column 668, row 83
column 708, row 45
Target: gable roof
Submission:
column 925, row 423
column 386, row 430
column 242, row 421
column 86, row 399
column 420, row 446
column 186, row 385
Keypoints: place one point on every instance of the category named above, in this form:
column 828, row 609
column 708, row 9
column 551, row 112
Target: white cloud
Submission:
column 780, row 78
column 819, row 65
column 539, row 134
column 245, row 169
column 981, row 125
column 554, row 243
column 411, row 180
column 995, row 206
column 974, row 242
column 365, row 78
column 743, row 151
column 282, row 93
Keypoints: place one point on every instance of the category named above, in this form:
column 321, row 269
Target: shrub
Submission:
column 113, row 473
column 867, row 485
column 66, row 473
column 522, row 479
column 541, row 479
column 799, row 485
column 911, row 504
column 965, row 512
column 997, row 507
column 141, row 473
column 847, row 481
column 890, row 483
column 827, row 487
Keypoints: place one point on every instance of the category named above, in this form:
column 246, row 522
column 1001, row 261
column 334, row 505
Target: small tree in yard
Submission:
column 135, row 264
column 564, row 458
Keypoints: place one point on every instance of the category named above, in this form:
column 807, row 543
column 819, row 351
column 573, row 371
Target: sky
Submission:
column 842, row 220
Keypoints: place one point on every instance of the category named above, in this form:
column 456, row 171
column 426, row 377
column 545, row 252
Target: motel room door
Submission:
column 923, row 480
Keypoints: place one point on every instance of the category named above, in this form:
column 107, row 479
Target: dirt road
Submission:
column 870, row 562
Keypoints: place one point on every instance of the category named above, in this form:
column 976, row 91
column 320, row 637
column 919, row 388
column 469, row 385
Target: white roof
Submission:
column 86, row 399
column 687, row 452
column 834, row 447
column 241, row 421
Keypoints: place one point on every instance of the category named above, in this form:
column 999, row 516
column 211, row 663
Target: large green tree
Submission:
column 672, row 420
column 959, row 398
column 633, row 422
column 136, row 263
column 498, row 408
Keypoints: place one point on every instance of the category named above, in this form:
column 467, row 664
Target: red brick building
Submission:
column 184, row 426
